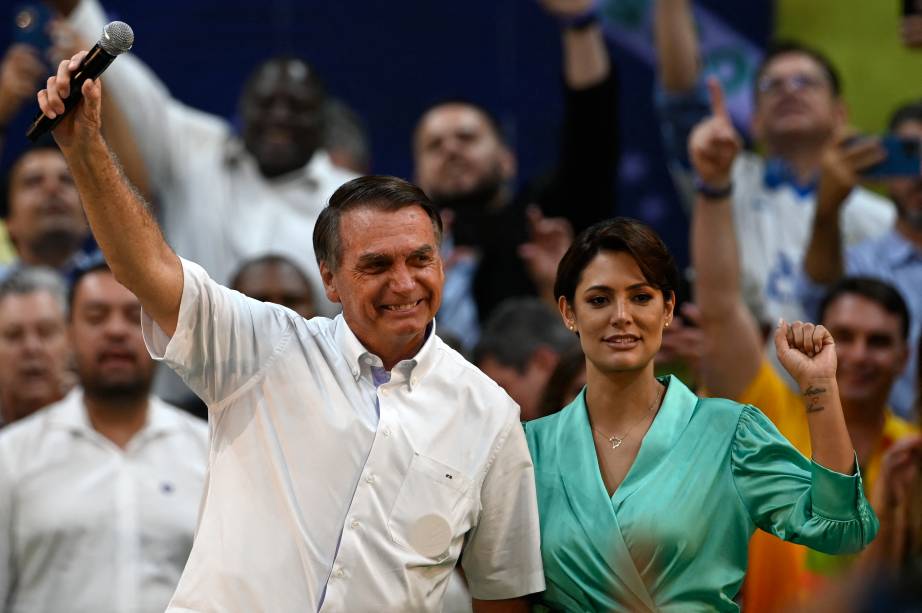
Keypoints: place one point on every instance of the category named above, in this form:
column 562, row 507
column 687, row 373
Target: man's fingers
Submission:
column 76, row 59
column 716, row 94
column 44, row 106
column 865, row 156
column 52, row 98
column 63, row 79
column 92, row 96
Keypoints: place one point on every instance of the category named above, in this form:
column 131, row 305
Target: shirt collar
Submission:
column 778, row 173
column 359, row 360
column 70, row 414
column 313, row 172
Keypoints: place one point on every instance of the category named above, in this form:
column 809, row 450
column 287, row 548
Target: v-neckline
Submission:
column 600, row 478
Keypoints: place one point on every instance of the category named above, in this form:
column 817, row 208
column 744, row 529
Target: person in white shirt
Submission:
column 798, row 111
column 227, row 197
column 99, row 492
column 35, row 353
column 355, row 461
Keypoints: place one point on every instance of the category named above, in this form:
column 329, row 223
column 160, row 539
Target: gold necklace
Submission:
column 615, row 441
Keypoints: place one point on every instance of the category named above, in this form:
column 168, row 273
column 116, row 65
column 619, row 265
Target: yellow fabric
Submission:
column 780, row 574
column 7, row 251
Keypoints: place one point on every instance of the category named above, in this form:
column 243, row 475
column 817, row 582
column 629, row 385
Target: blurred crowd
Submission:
column 101, row 473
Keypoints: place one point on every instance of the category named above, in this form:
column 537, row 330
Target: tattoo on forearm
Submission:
column 813, row 398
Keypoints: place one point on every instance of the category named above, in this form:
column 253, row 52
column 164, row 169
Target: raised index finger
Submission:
column 718, row 103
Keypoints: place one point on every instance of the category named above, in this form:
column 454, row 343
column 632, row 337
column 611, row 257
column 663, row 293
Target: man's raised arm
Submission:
column 734, row 347
column 125, row 230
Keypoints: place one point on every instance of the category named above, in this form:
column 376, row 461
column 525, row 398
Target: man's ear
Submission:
column 329, row 284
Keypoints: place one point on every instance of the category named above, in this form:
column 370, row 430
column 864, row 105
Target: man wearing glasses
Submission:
column 798, row 113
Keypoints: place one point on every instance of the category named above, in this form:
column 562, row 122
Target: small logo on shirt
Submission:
column 167, row 488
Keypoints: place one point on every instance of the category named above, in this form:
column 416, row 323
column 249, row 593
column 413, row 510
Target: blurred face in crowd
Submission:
column 46, row 221
column 389, row 279
column 34, row 353
column 795, row 103
column 906, row 192
column 618, row 314
column 105, row 329
column 282, row 115
column 459, row 156
column 870, row 348
column 527, row 386
column 280, row 282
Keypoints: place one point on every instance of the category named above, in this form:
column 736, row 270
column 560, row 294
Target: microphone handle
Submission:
column 96, row 61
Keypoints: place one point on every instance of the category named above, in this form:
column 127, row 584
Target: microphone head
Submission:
column 117, row 38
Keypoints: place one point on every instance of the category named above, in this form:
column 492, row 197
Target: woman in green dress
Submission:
column 648, row 494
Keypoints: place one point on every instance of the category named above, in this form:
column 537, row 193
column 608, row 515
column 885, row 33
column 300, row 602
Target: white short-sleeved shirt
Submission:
column 773, row 227
column 328, row 493
column 87, row 527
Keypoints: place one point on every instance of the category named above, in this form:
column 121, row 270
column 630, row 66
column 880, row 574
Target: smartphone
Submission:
column 904, row 158
column 30, row 25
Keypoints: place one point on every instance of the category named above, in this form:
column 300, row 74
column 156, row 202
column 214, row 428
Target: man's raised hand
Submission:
column 83, row 122
column 714, row 143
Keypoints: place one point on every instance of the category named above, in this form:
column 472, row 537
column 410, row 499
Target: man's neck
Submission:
column 802, row 159
column 118, row 418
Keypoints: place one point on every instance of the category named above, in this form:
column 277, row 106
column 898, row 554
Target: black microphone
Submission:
column 117, row 38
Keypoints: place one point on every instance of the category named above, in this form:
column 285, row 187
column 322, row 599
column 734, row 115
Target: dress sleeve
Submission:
column 793, row 498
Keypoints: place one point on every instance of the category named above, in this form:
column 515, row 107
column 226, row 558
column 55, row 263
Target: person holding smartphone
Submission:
column 895, row 257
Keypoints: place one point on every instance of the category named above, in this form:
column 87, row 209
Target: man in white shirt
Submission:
column 226, row 197
column 354, row 461
column 99, row 492
column 798, row 112
column 35, row 352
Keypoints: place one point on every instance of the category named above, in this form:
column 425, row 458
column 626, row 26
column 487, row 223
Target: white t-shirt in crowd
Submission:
column 329, row 490
column 87, row 527
column 773, row 227
column 217, row 207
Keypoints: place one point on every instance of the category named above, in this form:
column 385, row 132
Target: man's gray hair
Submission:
column 32, row 279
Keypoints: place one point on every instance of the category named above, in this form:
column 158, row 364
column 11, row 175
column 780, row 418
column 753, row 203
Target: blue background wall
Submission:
column 389, row 59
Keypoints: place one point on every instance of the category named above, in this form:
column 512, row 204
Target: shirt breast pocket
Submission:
column 431, row 512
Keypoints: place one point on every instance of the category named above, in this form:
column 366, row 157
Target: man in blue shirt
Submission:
column 895, row 257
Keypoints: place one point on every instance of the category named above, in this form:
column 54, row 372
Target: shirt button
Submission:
column 384, row 392
column 340, row 573
column 370, row 479
column 387, row 432
column 355, row 523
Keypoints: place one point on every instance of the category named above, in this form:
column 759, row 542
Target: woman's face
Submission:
column 619, row 316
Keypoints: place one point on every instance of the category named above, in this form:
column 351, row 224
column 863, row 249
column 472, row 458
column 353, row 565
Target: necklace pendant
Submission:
column 615, row 441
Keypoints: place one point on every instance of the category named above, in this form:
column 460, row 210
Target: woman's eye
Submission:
column 643, row 298
column 597, row 300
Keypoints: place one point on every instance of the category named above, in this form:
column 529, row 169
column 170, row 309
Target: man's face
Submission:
column 34, row 352
column 458, row 154
column 870, row 348
column 389, row 278
column 527, row 387
column 795, row 100
column 906, row 192
column 105, row 330
column 282, row 116
column 280, row 283
column 44, row 203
